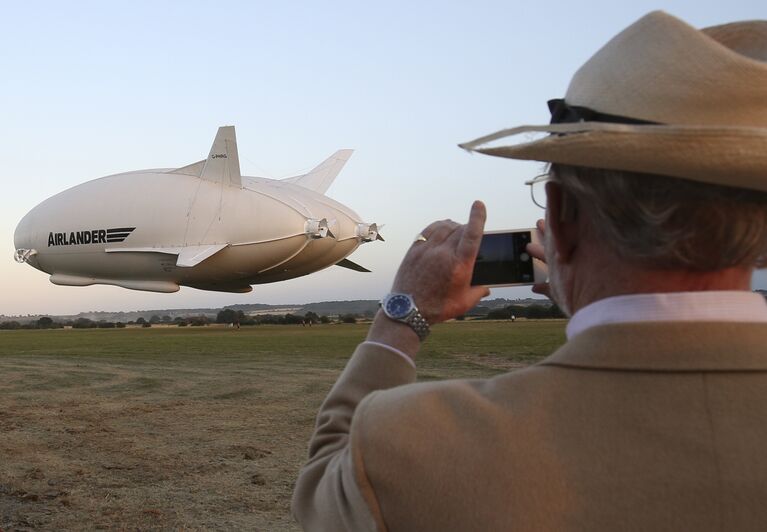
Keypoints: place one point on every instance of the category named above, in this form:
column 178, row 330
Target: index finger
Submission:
column 537, row 250
column 472, row 234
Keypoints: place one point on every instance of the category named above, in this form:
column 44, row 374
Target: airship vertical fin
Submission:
column 194, row 169
column 320, row 179
column 223, row 163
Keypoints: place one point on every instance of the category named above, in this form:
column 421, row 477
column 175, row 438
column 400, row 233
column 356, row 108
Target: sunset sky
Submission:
column 96, row 88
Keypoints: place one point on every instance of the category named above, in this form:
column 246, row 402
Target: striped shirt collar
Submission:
column 720, row 306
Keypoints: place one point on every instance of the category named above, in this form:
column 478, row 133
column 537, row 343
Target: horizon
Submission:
column 275, row 305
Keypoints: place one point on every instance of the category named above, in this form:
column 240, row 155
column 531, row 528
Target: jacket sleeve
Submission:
column 332, row 491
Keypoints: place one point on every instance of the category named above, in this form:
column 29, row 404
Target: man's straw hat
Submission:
column 662, row 98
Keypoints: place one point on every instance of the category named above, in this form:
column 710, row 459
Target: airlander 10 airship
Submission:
column 203, row 225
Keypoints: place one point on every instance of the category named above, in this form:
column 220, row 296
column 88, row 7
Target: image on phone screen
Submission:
column 503, row 259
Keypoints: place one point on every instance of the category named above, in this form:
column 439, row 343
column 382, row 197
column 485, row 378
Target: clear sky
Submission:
column 95, row 88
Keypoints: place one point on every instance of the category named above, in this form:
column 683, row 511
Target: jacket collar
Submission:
column 705, row 305
column 667, row 346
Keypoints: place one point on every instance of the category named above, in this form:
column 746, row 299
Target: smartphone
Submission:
column 503, row 259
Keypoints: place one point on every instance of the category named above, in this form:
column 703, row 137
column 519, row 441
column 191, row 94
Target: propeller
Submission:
column 369, row 232
column 315, row 229
column 23, row 255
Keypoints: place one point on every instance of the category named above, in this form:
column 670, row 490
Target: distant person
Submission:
column 653, row 415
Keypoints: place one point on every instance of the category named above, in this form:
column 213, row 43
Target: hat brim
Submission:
column 735, row 157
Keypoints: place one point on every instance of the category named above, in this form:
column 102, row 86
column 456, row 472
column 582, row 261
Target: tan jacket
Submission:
column 654, row 426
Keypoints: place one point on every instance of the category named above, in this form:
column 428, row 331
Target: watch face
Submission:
column 398, row 306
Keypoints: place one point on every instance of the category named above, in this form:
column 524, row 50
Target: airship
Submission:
column 202, row 225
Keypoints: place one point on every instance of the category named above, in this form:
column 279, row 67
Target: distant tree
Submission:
column 227, row 315
column 120, row 325
column 556, row 312
column 312, row 317
column 182, row 323
column 105, row 325
column 266, row 319
column 324, row 319
column 348, row 318
column 540, row 312
column 140, row 321
column 83, row 323
column 167, row 319
column 10, row 325
column 154, row 319
column 199, row 321
column 272, row 319
column 537, row 312
column 499, row 314
column 292, row 319
column 146, row 324
column 519, row 311
column 45, row 322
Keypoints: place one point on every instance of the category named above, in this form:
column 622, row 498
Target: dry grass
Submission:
column 189, row 429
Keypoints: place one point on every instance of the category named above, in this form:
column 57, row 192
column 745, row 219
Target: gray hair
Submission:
column 666, row 222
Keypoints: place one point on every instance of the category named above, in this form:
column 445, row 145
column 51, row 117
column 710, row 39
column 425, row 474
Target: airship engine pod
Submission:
column 202, row 225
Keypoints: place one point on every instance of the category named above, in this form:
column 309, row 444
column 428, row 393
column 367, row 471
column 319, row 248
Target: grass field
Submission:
column 191, row 428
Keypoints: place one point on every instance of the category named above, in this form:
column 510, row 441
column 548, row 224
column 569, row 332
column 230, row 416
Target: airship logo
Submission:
column 94, row 236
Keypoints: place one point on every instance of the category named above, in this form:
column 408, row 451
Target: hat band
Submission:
column 562, row 113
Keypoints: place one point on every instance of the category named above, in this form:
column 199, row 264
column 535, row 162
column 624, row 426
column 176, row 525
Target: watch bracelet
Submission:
column 419, row 325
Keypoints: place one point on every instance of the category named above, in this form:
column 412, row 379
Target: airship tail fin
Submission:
column 194, row 169
column 223, row 163
column 346, row 263
column 320, row 179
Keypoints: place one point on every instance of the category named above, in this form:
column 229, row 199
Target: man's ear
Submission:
column 561, row 221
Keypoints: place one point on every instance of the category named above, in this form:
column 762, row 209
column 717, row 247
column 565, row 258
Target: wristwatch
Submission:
column 401, row 307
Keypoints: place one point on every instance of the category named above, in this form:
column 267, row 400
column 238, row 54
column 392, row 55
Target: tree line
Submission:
column 225, row 316
column 532, row 312
column 47, row 322
column 239, row 318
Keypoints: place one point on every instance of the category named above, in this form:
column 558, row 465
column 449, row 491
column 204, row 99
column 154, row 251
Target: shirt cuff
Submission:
column 393, row 350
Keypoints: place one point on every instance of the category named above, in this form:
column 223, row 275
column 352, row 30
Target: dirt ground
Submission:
column 101, row 454
column 185, row 430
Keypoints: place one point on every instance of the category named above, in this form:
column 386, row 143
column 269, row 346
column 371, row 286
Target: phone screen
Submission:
column 503, row 260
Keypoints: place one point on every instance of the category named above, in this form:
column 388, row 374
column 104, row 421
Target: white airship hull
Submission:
column 203, row 226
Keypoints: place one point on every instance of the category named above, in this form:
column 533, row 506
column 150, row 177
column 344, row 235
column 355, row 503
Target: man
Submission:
column 653, row 415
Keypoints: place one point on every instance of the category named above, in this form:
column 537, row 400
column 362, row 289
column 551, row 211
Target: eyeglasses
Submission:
column 538, row 189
